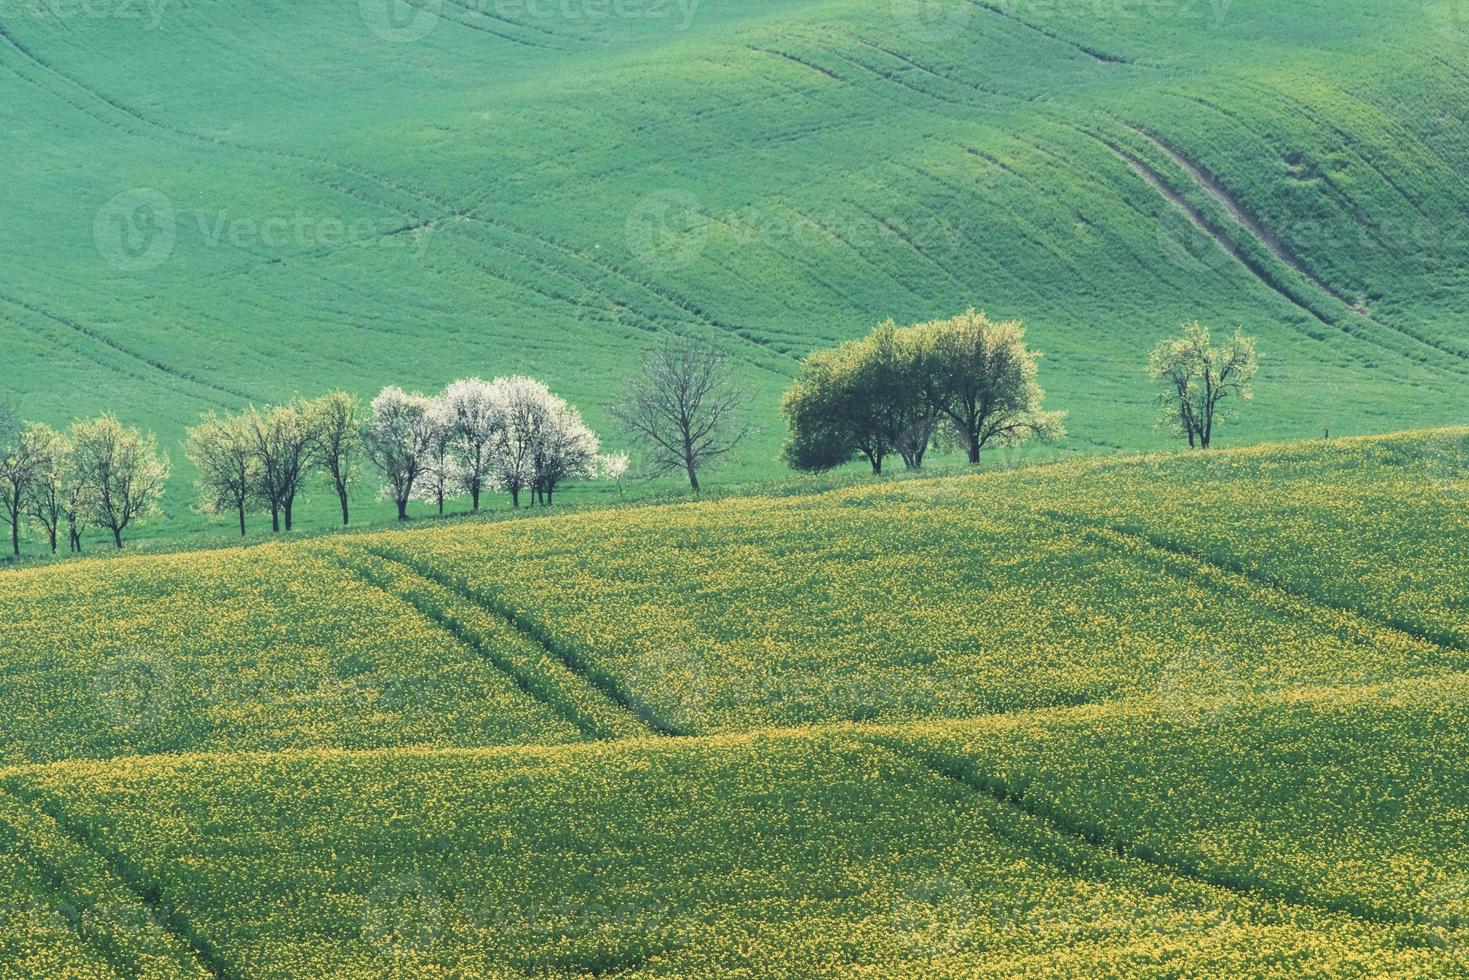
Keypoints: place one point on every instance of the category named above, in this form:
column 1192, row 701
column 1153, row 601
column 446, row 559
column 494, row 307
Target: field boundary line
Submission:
column 1434, row 638
column 165, row 916
column 1067, row 826
column 601, row 681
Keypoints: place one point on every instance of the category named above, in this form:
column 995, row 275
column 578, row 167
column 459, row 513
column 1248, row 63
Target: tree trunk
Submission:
column 342, row 496
column 15, row 536
column 515, row 498
column 290, row 502
column 242, row 518
column 474, row 498
column 693, row 474
column 51, row 533
column 974, row 451
column 117, row 536
column 441, row 504
column 275, row 519
column 403, row 509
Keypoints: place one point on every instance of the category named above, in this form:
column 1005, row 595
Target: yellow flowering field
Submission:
column 1159, row 716
column 798, row 854
column 951, row 598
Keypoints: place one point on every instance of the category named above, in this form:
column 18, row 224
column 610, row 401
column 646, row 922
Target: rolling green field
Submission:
column 211, row 203
column 1173, row 715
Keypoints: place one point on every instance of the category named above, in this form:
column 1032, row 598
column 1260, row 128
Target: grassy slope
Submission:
column 572, row 189
column 1268, row 777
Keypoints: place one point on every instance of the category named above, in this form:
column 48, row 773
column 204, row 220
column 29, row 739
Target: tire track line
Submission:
column 1412, row 631
column 149, row 894
column 593, row 675
column 1190, row 873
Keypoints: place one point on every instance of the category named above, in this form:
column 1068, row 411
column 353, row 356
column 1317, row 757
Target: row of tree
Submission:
column 969, row 382
column 474, row 437
column 99, row 473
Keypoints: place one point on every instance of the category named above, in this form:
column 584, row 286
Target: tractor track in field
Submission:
column 526, row 683
column 596, row 678
column 1207, row 226
column 479, row 11
column 1096, row 54
column 1262, row 233
column 1067, row 826
column 798, row 60
column 102, row 338
column 690, row 309
column 63, row 895
column 163, row 914
column 1412, row 631
column 437, row 11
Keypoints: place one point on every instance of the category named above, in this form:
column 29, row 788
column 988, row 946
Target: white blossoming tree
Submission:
column 399, row 439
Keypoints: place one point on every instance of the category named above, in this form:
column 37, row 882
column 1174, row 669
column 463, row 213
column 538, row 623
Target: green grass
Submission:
column 1173, row 715
column 779, row 174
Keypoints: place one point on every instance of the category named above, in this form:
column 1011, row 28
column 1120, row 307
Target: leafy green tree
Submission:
column 896, row 390
column 228, row 468
column 981, row 378
column 863, row 398
column 120, row 471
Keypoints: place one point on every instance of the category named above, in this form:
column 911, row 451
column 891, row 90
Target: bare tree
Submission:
column 121, row 471
column 223, row 453
column 683, row 407
column 336, row 423
column 1198, row 378
column 282, row 442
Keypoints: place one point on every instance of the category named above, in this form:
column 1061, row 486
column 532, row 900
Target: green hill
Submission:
column 213, row 203
column 1173, row 715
